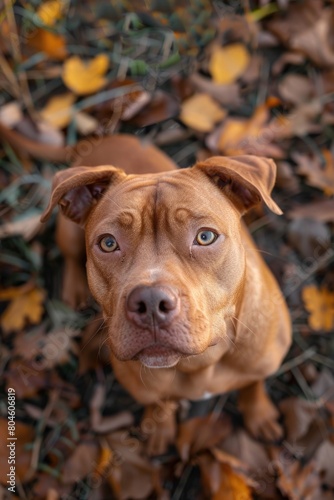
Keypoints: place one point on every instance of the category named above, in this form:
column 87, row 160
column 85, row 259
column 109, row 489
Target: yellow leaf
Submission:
column 201, row 112
column 105, row 459
column 232, row 486
column 320, row 304
column 238, row 132
column 24, row 307
column 52, row 44
column 58, row 110
column 228, row 63
column 49, row 12
column 85, row 78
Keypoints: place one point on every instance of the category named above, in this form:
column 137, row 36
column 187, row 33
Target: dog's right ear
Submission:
column 77, row 190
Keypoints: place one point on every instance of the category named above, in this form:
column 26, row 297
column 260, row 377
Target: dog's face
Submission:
column 165, row 261
column 164, row 257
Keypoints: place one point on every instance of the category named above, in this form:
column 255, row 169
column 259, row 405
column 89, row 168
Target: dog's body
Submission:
column 180, row 282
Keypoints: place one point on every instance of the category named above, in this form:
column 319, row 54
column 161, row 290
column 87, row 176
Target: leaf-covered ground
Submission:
column 196, row 78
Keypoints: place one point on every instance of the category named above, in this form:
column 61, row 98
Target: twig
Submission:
column 298, row 360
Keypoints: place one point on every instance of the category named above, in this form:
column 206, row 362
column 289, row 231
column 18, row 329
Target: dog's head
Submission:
column 165, row 259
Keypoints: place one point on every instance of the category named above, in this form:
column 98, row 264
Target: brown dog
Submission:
column 180, row 282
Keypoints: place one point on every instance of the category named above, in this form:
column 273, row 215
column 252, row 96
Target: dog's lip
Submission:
column 159, row 356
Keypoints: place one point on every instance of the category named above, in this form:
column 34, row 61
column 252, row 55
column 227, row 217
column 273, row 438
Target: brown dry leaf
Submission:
column 24, row 435
column 201, row 112
column 129, row 462
column 320, row 304
column 26, row 226
column 298, row 416
column 54, row 45
column 228, row 63
column 41, row 132
column 201, row 433
column 160, row 107
column 85, row 77
column 233, row 485
column 296, row 89
column 227, row 95
column 253, row 136
column 25, row 308
column 58, row 110
column 322, row 178
column 253, row 457
column 25, row 378
column 296, row 481
column 82, row 462
column 50, row 349
column 306, row 29
column 321, row 211
column 324, row 459
column 301, row 121
column 49, row 12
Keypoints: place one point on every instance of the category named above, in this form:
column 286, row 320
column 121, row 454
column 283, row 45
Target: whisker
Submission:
column 243, row 324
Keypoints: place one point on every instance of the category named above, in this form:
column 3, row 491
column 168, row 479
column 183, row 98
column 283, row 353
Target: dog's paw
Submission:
column 261, row 422
column 159, row 426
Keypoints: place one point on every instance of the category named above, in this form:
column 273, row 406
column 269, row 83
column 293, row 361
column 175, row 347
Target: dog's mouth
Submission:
column 158, row 356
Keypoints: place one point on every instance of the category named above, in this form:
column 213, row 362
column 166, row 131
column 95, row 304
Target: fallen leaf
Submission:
column 49, row 350
column 228, row 63
column 58, row 110
column 85, row 123
column 300, row 122
column 49, row 12
column 298, row 415
column 82, row 462
column 324, row 459
column 323, row 387
column 317, row 176
column 201, row 433
column 52, row 44
column 129, row 462
column 309, row 238
column 296, row 89
column 254, row 459
column 24, row 308
column 24, row 435
column 306, row 29
column 201, row 112
column 25, row 378
column 27, row 226
column 160, row 107
column 11, row 114
column 42, row 132
column 232, row 486
column 320, row 304
column 252, row 136
column 227, row 95
column 85, row 77
column 299, row 482
column 322, row 211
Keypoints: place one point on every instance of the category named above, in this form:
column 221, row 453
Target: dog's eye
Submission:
column 108, row 243
column 205, row 237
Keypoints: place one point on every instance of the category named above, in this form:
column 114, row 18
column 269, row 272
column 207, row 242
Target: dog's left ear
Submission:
column 246, row 180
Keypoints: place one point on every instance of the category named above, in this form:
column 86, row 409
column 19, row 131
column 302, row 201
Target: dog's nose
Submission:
column 152, row 306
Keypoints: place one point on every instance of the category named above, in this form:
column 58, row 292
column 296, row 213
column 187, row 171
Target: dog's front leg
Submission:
column 159, row 425
column 259, row 413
